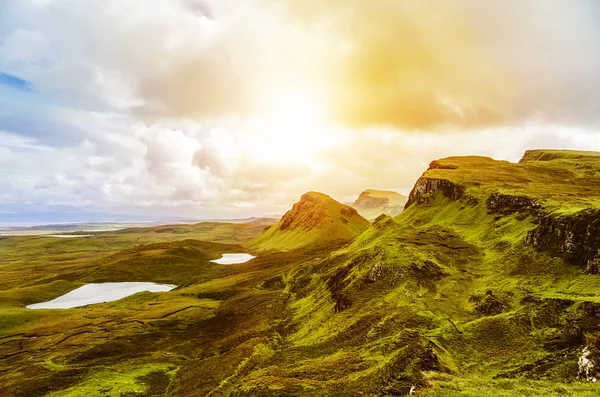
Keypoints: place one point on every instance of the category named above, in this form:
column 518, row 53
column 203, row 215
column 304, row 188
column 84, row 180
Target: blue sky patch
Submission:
column 15, row 82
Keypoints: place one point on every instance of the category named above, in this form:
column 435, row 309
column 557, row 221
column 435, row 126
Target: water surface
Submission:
column 69, row 235
column 233, row 259
column 100, row 293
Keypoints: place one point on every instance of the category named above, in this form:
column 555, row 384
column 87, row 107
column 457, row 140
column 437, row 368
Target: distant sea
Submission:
column 10, row 228
column 38, row 228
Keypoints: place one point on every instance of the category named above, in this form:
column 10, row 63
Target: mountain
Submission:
column 316, row 220
column 488, row 277
column 485, row 285
column 372, row 203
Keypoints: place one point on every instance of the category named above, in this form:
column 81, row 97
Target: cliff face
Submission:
column 368, row 200
column 576, row 238
column 505, row 203
column 541, row 187
column 426, row 187
column 306, row 214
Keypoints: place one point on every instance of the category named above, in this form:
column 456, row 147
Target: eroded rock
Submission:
column 506, row 203
column 426, row 187
column 576, row 238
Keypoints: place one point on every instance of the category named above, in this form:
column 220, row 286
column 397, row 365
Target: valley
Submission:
column 486, row 284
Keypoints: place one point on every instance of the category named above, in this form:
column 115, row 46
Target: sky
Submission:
column 234, row 108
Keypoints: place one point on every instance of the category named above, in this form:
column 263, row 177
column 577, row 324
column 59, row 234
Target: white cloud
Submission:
column 187, row 169
column 155, row 106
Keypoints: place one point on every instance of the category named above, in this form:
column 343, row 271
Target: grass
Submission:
column 447, row 297
column 59, row 352
column 130, row 379
column 454, row 386
column 570, row 179
column 420, row 274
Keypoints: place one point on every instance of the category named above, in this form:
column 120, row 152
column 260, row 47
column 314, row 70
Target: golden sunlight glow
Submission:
column 296, row 109
column 292, row 127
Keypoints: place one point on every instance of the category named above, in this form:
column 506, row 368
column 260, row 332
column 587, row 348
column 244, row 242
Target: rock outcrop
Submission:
column 426, row 187
column 506, row 203
column 575, row 237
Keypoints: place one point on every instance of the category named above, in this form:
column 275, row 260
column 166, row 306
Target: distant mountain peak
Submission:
column 315, row 220
column 371, row 203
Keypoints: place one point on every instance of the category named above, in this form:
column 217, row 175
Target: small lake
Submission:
column 233, row 259
column 69, row 235
column 100, row 293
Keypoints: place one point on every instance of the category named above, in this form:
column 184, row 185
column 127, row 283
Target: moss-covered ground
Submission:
column 446, row 299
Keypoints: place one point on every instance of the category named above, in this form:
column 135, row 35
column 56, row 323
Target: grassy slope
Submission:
column 33, row 257
column 404, row 304
column 447, row 296
column 139, row 343
column 315, row 220
column 566, row 183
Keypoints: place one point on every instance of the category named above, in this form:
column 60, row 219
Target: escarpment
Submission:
column 314, row 215
column 493, row 257
column 549, row 155
column 426, row 187
column 506, row 203
column 575, row 237
column 553, row 190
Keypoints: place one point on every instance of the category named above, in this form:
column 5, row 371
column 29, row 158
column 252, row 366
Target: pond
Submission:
column 69, row 235
column 233, row 259
column 100, row 293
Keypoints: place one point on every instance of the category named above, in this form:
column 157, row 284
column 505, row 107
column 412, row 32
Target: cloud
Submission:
column 187, row 169
column 181, row 107
column 158, row 58
column 419, row 65
column 122, row 165
column 411, row 64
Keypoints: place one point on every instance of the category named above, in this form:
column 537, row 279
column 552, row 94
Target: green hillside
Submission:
column 315, row 221
column 486, row 285
column 372, row 203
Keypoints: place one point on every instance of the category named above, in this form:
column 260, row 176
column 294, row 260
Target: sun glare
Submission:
column 292, row 127
column 296, row 110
